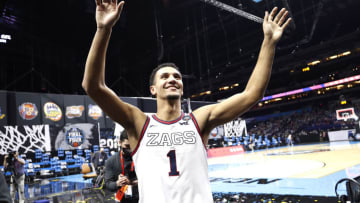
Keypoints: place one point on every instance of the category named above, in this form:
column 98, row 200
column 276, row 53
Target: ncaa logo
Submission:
column 74, row 137
column 95, row 112
column 28, row 111
column 52, row 111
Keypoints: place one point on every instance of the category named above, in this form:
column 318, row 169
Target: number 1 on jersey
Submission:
column 173, row 168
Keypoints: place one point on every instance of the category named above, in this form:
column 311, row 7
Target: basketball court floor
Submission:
column 301, row 173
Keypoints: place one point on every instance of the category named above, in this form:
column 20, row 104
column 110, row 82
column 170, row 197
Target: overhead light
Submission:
column 257, row 1
column 332, row 57
column 224, row 88
column 345, row 53
column 306, row 69
column 314, row 63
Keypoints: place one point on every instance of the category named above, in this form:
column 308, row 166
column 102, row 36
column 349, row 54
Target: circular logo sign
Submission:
column 28, row 111
column 95, row 112
column 52, row 111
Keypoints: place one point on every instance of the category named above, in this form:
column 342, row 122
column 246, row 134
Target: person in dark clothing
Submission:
column 98, row 159
column 119, row 171
column 4, row 190
column 15, row 164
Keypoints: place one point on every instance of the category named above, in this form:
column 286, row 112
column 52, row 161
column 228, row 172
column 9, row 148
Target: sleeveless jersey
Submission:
column 171, row 162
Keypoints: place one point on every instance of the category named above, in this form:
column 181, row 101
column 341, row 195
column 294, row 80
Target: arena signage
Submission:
column 52, row 111
column 74, row 111
column 28, row 111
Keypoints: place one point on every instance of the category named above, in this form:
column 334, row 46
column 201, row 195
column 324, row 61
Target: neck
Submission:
column 168, row 110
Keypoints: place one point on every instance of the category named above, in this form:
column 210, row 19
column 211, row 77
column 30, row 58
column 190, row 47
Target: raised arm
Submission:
column 107, row 14
column 213, row 115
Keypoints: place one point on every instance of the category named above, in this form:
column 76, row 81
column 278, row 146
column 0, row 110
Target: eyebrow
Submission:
column 167, row 73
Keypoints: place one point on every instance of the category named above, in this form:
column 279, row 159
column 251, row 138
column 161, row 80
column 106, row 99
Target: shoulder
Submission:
column 111, row 160
column 114, row 157
column 203, row 114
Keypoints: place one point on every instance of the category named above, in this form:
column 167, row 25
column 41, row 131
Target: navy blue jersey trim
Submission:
column 198, row 128
column 168, row 122
column 141, row 135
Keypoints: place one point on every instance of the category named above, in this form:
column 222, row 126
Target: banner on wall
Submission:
column 74, row 136
column 217, row 132
column 109, row 138
column 52, row 109
column 28, row 109
column 24, row 139
column 3, row 106
column 94, row 113
column 74, row 107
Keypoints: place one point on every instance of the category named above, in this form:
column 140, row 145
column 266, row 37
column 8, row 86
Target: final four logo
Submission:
column 74, row 137
column 95, row 112
column 74, row 111
column 28, row 111
column 214, row 132
column 52, row 111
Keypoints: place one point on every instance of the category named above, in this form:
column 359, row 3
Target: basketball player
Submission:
column 169, row 147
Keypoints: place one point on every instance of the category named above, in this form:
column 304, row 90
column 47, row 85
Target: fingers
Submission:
column 98, row 2
column 286, row 23
column 283, row 17
column 272, row 14
column 121, row 5
column 279, row 15
column 266, row 18
column 119, row 8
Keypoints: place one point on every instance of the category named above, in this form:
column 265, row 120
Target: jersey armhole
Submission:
column 141, row 135
column 198, row 128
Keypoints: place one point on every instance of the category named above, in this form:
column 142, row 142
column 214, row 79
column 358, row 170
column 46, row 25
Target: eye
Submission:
column 177, row 76
column 164, row 76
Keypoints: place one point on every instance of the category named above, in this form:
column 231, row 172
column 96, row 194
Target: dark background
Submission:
column 213, row 48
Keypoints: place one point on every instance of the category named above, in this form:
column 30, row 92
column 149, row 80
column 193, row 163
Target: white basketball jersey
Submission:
column 171, row 162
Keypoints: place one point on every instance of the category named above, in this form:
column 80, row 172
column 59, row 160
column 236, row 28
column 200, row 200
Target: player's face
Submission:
column 168, row 84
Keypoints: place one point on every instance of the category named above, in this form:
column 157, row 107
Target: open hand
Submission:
column 108, row 12
column 274, row 27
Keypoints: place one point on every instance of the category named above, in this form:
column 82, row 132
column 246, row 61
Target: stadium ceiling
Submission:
column 212, row 46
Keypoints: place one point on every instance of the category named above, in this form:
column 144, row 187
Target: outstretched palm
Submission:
column 274, row 27
column 108, row 13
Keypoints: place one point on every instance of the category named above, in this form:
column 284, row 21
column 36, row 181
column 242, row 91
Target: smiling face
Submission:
column 167, row 84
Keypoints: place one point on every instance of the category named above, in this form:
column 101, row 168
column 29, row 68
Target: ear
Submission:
column 153, row 90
